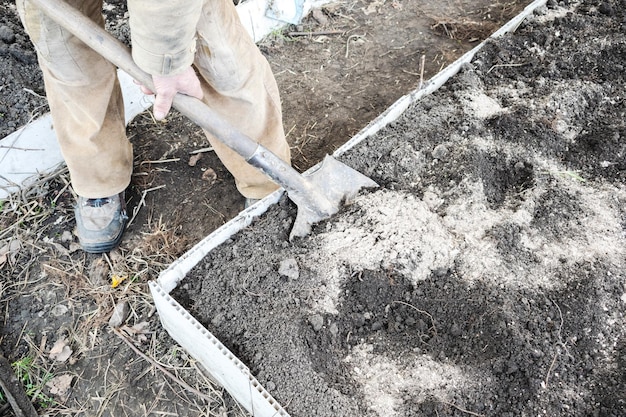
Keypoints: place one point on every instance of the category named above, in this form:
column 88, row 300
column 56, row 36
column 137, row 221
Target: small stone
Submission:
column 319, row 16
column 270, row 386
column 334, row 329
column 377, row 325
column 289, row 268
column 6, row 34
column 25, row 57
column 440, row 151
column 511, row 367
column 218, row 320
column 606, row 9
column 120, row 314
column 59, row 310
column 455, row 330
column 67, row 236
column 422, row 326
column 193, row 159
column 359, row 320
column 317, row 322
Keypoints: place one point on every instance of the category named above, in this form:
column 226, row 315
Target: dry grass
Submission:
column 464, row 29
column 40, row 257
column 477, row 25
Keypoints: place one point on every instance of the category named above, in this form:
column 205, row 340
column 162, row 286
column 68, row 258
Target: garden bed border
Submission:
column 194, row 338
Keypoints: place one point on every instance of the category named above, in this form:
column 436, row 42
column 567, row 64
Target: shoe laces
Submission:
column 97, row 202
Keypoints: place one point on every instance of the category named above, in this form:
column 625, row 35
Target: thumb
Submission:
column 163, row 103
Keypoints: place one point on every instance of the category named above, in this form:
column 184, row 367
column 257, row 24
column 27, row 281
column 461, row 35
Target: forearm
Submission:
column 163, row 34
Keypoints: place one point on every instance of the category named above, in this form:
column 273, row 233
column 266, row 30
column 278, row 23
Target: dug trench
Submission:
column 485, row 276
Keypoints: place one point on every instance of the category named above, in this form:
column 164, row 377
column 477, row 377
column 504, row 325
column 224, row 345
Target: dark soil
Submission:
column 331, row 85
column 485, row 276
column 22, row 97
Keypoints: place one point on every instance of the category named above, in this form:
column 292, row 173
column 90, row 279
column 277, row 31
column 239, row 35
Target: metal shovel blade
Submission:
column 338, row 183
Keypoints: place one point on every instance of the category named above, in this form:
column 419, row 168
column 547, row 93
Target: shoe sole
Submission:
column 98, row 248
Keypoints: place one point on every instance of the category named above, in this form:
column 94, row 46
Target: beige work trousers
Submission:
column 87, row 108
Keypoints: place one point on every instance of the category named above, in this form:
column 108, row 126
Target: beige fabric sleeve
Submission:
column 163, row 34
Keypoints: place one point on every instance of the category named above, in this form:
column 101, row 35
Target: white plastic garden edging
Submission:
column 227, row 369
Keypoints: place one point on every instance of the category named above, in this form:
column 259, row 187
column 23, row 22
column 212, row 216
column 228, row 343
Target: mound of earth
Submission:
column 485, row 276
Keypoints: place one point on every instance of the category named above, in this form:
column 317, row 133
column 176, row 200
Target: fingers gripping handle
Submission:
column 118, row 54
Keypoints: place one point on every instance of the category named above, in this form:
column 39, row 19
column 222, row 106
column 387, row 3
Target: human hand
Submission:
column 167, row 86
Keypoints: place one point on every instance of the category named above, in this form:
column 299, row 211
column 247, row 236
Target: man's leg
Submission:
column 241, row 88
column 88, row 117
column 85, row 103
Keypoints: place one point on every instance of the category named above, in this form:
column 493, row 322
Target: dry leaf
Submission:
column 60, row 385
column 99, row 271
column 74, row 247
column 9, row 252
column 120, row 314
column 372, row 7
column 193, row 159
column 60, row 351
column 210, row 176
column 116, row 280
column 137, row 331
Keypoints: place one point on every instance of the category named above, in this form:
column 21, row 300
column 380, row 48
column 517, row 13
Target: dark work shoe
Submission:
column 100, row 222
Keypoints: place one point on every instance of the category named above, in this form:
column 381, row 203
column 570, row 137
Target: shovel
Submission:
column 318, row 196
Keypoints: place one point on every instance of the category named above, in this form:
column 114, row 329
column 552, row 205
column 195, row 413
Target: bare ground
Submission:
column 484, row 277
column 350, row 67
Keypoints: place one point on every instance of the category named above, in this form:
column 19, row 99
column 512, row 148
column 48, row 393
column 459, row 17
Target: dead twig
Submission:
column 471, row 413
column 422, row 61
column 432, row 320
column 350, row 40
column 560, row 342
column 161, row 368
column 29, row 91
column 14, row 391
column 160, row 161
column 203, row 150
column 142, row 202
column 506, row 65
column 320, row 33
column 21, row 149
